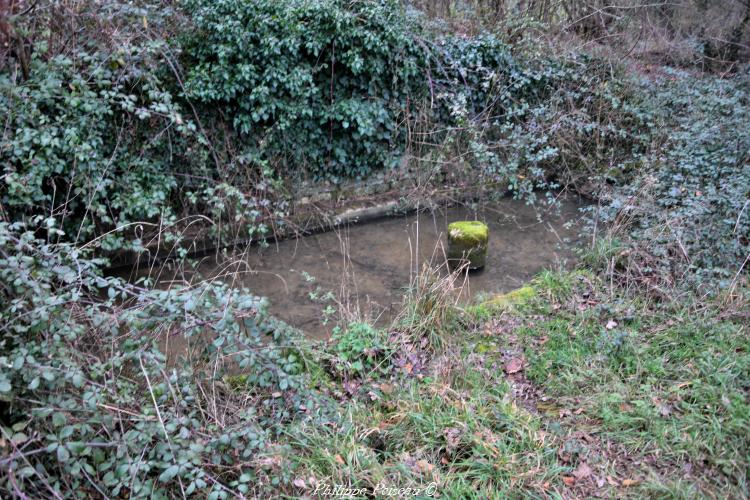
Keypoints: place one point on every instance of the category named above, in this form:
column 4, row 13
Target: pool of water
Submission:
column 366, row 267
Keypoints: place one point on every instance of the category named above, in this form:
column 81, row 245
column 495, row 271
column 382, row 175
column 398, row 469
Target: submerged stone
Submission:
column 467, row 242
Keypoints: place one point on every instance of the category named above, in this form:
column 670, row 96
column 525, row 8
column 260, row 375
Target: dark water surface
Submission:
column 367, row 266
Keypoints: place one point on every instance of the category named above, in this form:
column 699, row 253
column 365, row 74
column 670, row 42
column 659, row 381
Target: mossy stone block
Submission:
column 467, row 242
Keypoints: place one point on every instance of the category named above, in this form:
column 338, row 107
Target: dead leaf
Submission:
column 540, row 436
column 569, row 480
column 300, row 483
column 424, row 467
column 611, row 324
column 515, row 365
column 582, row 471
column 452, row 438
column 612, row 481
column 629, row 482
column 579, row 411
column 543, row 340
column 386, row 388
column 408, row 368
column 665, row 409
column 339, row 459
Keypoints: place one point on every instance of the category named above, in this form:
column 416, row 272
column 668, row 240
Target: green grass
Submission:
column 671, row 386
column 663, row 390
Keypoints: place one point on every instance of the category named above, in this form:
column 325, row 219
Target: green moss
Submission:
column 516, row 297
column 479, row 312
column 469, row 232
column 236, row 382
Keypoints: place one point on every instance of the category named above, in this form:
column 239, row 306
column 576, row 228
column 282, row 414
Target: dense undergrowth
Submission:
column 127, row 127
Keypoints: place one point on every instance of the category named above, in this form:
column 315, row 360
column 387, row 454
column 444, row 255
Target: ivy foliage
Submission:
column 316, row 84
column 93, row 138
column 690, row 201
column 98, row 136
column 84, row 380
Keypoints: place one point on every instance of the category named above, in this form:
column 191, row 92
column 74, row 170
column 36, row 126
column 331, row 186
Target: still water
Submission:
column 366, row 267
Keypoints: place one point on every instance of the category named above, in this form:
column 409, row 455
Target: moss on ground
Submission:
column 517, row 297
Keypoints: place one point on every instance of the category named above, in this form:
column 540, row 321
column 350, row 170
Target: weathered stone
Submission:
column 467, row 242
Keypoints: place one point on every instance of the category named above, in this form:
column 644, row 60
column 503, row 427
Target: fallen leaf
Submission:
column 579, row 411
column 408, row 368
column 569, row 480
column 612, row 481
column 452, row 438
column 582, row 471
column 339, row 459
column 611, row 324
column 546, row 485
column 665, row 409
column 299, row 483
column 629, row 482
column 515, row 365
column 424, row 466
column 386, row 388
column 543, row 340
column 540, row 436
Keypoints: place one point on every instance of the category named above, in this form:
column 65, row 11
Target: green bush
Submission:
column 688, row 203
column 315, row 85
column 88, row 403
column 98, row 135
column 93, row 138
column 361, row 349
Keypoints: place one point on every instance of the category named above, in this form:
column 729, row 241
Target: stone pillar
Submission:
column 467, row 242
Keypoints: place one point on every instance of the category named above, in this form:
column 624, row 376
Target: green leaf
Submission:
column 63, row 455
column 168, row 474
column 58, row 419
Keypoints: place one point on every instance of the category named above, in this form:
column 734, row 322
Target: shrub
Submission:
column 361, row 349
column 89, row 404
column 318, row 85
column 687, row 210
